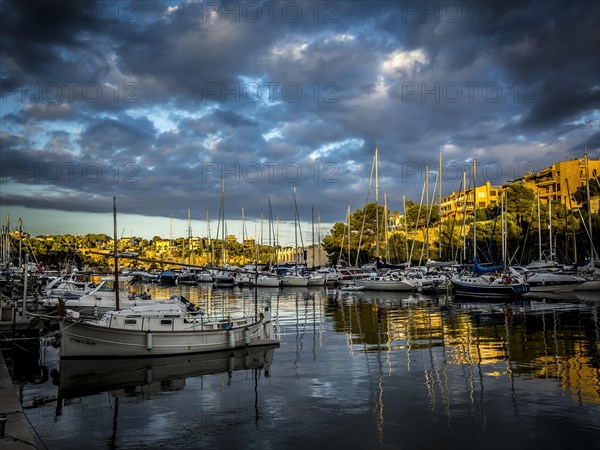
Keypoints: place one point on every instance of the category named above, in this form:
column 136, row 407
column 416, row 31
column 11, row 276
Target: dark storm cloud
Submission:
column 177, row 95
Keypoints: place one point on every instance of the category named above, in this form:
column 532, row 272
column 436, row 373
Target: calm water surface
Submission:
column 354, row 370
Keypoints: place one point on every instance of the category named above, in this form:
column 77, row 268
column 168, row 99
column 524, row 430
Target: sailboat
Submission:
column 265, row 279
column 376, row 282
column 314, row 277
column 162, row 329
column 484, row 283
column 591, row 287
column 294, row 278
column 545, row 275
column 223, row 278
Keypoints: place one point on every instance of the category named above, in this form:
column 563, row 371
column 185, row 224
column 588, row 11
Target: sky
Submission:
column 156, row 102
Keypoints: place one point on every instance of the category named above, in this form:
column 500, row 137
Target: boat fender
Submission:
column 505, row 279
column 230, row 338
column 247, row 336
column 55, row 342
column 148, row 340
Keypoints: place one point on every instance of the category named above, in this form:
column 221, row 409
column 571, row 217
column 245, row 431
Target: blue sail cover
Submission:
column 480, row 269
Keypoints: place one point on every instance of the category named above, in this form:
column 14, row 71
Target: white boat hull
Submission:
column 316, row 281
column 267, row 282
column 553, row 282
column 297, row 281
column 87, row 340
column 385, row 285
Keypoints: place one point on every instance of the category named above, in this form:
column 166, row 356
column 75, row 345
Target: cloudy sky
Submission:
column 155, row 102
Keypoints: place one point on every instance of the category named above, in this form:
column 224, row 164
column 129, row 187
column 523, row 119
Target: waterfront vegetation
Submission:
column 418, row 233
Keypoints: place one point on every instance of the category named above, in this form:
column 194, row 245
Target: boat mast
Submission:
column 427, row 214
column 589, row 207
column 319, row 236
column 170, row 235
column 348, row 221
column 277, row 243
column 385, row 228
column 375, row 161
column 295, row 232
column 539, row 227
column 222, row 218
column 189, row 237
column 550, row 226
column 261, row 239
column 440, row 211
column 405, row 225
column 474, row 208
column 312, row 215
column 271, row 234
column 210, row 248
column 115, row 249
column 464, row 226
column 573, row 230
column 503, row 220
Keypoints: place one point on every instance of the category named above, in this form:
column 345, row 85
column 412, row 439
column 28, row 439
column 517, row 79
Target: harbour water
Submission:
column 353, row 370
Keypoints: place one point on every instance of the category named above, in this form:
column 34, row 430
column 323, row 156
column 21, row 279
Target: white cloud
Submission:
column 403, row 61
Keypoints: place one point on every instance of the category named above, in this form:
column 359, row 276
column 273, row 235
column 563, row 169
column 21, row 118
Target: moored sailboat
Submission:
column 160, row 329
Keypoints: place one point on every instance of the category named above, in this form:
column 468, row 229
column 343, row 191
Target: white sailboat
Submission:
column 376, row 282
column 483, row 284
column 163, row 329
column 223, row 278
column 101, row 299
column 293, row 278
column 160, row 330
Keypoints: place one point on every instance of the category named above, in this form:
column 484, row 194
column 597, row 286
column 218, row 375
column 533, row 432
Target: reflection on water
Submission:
column 354, row 369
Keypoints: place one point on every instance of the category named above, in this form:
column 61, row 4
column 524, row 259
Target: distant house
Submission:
column 162, row 246
column 458, row 204
column 560, row 180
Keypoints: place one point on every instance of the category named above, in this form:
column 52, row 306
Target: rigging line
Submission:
column 527, row 232
column 416, row 226
column 362, row 228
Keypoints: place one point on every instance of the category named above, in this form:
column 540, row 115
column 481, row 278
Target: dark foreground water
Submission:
column 354, row 371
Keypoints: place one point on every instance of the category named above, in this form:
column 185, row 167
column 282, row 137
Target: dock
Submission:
column 18, row 434
column 15, row 430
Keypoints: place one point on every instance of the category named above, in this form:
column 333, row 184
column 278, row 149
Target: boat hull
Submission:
column 488, row 291
column 88, row 340
column 224, row 282
column 267, row 282
column 553, row 282
column 296, row 281
column 385, row 285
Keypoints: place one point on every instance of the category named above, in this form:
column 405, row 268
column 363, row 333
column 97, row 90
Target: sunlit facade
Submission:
column 453, row 206
column 559, row 181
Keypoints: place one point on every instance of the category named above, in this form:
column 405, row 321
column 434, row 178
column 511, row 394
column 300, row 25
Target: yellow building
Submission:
column 453, row 206
column 162, row 246
column 560, row 180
